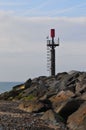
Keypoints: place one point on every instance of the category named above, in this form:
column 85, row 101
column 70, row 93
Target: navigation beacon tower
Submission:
column 51, row 45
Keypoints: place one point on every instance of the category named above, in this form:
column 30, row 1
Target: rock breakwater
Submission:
column 54, row 103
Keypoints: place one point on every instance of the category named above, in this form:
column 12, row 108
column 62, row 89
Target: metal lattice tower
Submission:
column 51, row 47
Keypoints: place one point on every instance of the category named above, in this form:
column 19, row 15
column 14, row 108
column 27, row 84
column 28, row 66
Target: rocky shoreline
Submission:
column 46, row 103
column 12, row 118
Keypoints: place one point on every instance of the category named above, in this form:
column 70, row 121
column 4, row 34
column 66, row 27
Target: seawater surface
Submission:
column 7, row 86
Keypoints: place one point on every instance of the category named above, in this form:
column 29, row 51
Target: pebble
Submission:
column 12, row 118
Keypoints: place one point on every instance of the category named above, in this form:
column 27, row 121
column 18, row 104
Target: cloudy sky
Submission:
column 24, row 26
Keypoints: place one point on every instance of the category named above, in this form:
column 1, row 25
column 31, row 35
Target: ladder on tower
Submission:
column 48, row 59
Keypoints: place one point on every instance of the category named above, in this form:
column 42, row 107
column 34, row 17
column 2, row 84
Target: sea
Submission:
column 7, row 86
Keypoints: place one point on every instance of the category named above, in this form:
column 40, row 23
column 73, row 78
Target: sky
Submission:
column 24, row 26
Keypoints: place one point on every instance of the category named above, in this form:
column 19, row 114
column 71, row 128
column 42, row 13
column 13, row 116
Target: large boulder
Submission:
column 31, row 106
column 70, row 107
column 83, row 96
column 54, row 120
column 81, row 86
column 35, row 106
column 77, row 121
column 28, row 83
column 63, row 81
column 58, row 101
column 49, row 116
